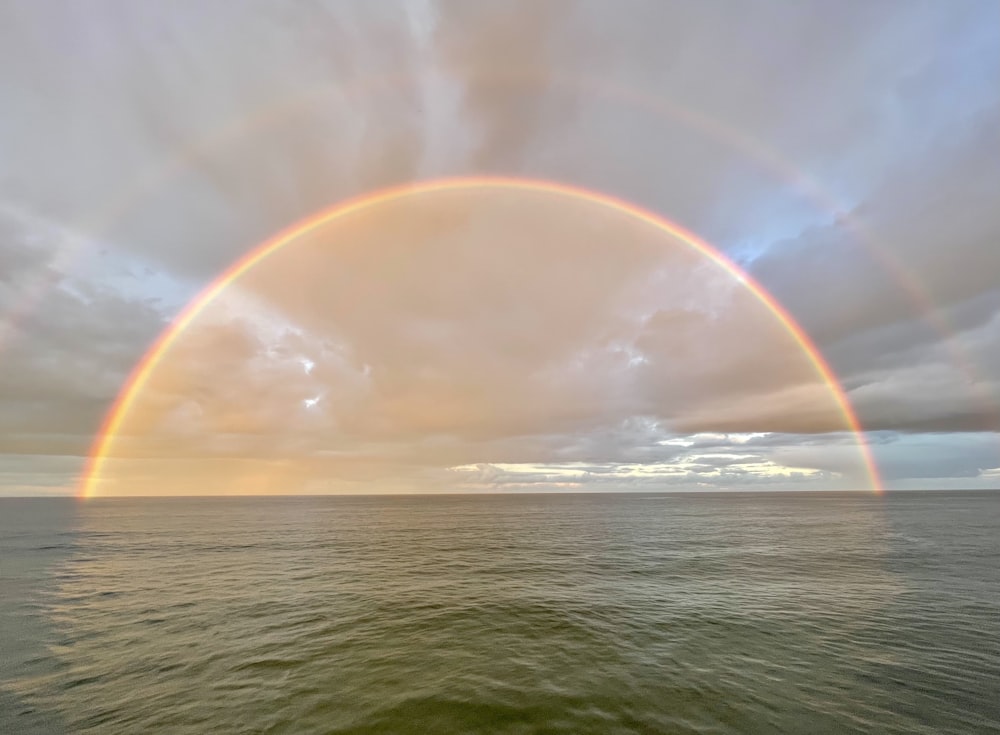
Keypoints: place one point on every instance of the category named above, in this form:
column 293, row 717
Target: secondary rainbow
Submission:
column 136, row 381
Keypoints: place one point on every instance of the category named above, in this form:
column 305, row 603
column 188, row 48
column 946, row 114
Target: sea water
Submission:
column 708, row 613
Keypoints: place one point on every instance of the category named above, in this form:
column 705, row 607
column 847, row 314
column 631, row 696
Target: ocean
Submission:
column 696, row 613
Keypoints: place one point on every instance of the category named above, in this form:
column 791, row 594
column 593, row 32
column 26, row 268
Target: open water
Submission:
column 716, row 613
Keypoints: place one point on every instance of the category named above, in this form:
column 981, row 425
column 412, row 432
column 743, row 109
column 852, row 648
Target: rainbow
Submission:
column 141, row 373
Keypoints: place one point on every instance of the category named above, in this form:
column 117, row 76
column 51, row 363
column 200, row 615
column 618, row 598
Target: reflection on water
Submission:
column 518, row 614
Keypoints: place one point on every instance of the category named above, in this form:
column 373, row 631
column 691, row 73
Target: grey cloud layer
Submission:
column 180, row 134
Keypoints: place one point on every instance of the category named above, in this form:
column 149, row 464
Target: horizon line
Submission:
column 491, row 493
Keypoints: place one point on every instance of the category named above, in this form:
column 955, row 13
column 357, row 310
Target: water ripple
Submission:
column 566, row 614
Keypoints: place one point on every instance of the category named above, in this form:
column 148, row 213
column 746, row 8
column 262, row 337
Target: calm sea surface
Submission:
column 737, row 613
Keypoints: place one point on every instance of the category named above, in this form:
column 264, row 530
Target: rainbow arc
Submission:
column 141, row 373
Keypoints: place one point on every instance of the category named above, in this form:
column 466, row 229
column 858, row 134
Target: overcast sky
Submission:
column 846, row 155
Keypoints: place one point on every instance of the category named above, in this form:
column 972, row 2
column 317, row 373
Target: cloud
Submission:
column 64, row 356
column 916, row 352
column 934, row 458
column 174, row 137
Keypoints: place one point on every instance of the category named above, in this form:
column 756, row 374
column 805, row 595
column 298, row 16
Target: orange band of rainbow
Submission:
column 145, row 367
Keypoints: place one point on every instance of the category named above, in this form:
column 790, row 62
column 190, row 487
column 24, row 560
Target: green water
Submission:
column 747, row 613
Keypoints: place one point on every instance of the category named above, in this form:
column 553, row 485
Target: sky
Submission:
column 500, row 337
